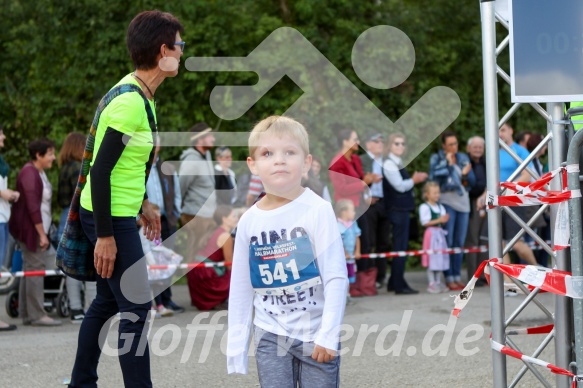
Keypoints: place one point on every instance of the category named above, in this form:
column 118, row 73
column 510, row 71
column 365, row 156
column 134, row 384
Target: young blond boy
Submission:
column 288, row 267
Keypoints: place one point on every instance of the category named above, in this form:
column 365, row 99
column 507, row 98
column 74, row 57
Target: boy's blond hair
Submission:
column 342, row 205
column 426, row 188
column 279, row 125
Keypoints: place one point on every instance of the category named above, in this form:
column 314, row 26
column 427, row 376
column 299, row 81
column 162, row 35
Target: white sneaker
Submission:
column 434, row 288
column 164, row 312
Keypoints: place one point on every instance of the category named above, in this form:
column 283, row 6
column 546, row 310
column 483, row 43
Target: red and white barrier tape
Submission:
column 534, row 193
column 531, row 360
column 419, row 252
column 20, row 274
column 545, row 329
column 462, row 299
column 53, row 272
column 550, row 280
column 477, row 249
column 528, row 194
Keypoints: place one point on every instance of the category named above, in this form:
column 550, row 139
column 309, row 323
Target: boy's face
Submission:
column 280, row 163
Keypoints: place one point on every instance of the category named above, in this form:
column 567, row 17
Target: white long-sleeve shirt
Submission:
column 391, row 169
column 311, row 315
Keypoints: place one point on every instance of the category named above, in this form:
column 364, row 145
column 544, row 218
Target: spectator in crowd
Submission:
column 197, row 187
column 377, row 239
column 7, row 197
column 209, row 287
column 507, row 167
column 255, row 190
column 314, row 182
column 477, row 221
column 453, row 171
column 163, row 190
column 346, row 173
column 350, row 232
column 69, row 162
column 542, row 224
column 350, row 182
column 225, row 182
column 242, row 188
column 533, row 141
column 112, row 198
column 399, row 204
column 522, row 138
column 29, row 224
column 433, row 217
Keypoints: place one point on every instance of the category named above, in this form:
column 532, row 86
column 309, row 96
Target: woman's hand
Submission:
column 370, row 178
column 151, row 221
column 419, row 177
column 9, row 195
column 467, row 168
column 104, row 256
column 43, row 242
column 322, row 354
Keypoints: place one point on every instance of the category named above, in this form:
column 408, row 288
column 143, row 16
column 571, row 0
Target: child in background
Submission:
column 433, row 216
column 288, row 255
column 350, row 232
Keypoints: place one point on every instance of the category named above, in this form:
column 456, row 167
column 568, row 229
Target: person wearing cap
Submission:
column 197, row 187
column 375, row 237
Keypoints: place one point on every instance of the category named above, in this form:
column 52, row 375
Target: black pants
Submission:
column 400, row 223
column 377, row 236
column 127, row 292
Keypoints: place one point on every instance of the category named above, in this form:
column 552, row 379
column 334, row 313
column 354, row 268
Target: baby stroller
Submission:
column 55, row 293
column 54, row 290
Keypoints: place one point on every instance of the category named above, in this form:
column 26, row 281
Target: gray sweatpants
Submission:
column 284, row 362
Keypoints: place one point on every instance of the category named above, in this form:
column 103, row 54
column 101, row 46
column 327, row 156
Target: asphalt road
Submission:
column 389, row 341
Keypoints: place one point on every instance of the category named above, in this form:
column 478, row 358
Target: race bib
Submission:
column 282, row 268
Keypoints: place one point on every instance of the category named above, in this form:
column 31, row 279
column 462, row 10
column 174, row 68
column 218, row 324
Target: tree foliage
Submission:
column 59, row 57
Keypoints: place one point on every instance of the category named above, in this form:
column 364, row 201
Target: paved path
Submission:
column 398, row 350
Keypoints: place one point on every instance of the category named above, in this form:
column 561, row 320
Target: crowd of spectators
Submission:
column 206, row 197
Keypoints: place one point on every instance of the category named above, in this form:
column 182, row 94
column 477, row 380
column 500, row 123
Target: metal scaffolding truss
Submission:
column 562, row 317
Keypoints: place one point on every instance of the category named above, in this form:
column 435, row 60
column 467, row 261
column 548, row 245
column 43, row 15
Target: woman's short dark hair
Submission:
column 221, row 212
column 446, row 134
column 147, row 32
column 342, row 133
column 39, row 146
